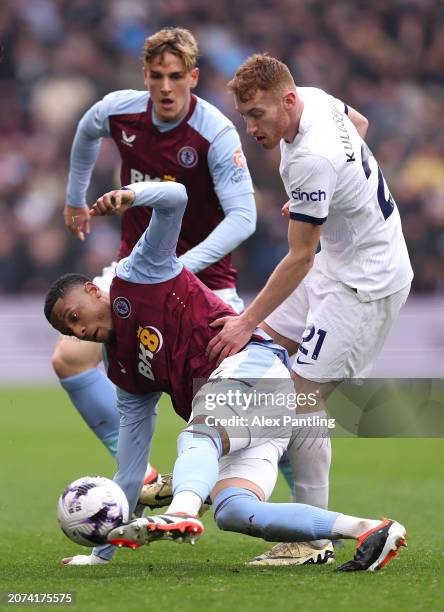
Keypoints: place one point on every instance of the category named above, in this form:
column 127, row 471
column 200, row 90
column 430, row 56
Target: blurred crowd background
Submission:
column 385, row 58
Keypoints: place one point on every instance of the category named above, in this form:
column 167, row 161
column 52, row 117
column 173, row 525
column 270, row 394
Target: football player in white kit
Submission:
column 336, row 308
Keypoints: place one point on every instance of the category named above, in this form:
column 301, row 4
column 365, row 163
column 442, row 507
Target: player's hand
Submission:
column 113, row 202
column 285, row 210
column 66, row 560
column 234, row 335
column 77, row 220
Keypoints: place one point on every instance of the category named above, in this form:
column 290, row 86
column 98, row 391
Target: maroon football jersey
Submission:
column 162, row 332
column 179, row 154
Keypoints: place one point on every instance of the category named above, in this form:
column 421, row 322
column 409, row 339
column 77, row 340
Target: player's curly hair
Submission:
column 60, row 288
column 177, row 41
column 260, row 72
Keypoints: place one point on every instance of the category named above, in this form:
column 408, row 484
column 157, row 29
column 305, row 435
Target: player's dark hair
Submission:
column 60, row 288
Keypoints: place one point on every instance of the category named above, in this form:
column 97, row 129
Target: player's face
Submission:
column 170, row 85
column 267, row 117
column 84, row 312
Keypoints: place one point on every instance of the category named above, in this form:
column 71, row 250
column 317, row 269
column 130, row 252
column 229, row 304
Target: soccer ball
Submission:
column 89, row 508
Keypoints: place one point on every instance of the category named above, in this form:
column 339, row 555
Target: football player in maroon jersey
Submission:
column 163, row 133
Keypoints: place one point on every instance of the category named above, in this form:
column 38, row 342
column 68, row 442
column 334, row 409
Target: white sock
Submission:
column 310, row 457
column 351, row 526
column 187, row 502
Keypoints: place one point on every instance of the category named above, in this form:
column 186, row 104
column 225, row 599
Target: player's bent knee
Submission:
column 71, row 357
column 233, row 511
column 189, row 436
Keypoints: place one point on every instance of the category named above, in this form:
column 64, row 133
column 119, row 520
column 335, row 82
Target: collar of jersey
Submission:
column 164, row 126
column 304, row 123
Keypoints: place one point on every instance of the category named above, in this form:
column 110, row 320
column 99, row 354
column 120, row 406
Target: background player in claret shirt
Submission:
column 165, row 133
column 337, row 308
column 155, row 325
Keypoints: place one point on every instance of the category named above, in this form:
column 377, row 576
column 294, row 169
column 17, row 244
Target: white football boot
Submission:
column 160, row 493
column 178, row 527
column 157, row 493
column 295, row 553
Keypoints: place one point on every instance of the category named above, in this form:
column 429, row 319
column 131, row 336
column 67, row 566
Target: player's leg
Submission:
column 309, row 450
column 76, row 364
column 195, row 473
column 306, row 463
column 239, row 503
column 309, row 455
column 209, row 436
column 246, row 481
column 218, row 430
column 239, row 508
column 292, row 347
column 259, row 466
column 330, row 352
column 286, row 326
column 341, row 340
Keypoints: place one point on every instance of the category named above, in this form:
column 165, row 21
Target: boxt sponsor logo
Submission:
column 308, row 196
column 150, row 343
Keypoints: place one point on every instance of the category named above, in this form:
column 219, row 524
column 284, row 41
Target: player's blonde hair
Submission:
column 177, row 41
column 260, row 72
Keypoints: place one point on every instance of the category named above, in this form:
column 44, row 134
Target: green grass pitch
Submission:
column 44, row 445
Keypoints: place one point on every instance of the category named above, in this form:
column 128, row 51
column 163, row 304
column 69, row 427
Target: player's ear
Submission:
column 145, row 75
column 194, row 77
column 92, row 289
column 289, row 100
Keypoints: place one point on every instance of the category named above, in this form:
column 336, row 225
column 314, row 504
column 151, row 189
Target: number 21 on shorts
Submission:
column 308, row 336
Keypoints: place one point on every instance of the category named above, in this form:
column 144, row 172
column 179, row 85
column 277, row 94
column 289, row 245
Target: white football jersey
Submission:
column 332, row 178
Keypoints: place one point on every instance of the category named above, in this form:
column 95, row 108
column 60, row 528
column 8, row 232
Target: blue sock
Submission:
column 197, row 465
column 287, row 472
column 94, row 396
column 239, row 510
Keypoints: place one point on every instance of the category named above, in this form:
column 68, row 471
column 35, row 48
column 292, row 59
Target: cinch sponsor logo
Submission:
column 309, row 196
column 150, row 343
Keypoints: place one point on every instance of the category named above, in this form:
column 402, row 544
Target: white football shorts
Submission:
column 340, row 336
column 258, row 435
column 259, row 464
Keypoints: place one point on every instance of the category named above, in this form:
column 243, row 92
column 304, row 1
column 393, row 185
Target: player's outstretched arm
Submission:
column 154, row 260
column 84, row 152
column 234, row 188
column 303, row 239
